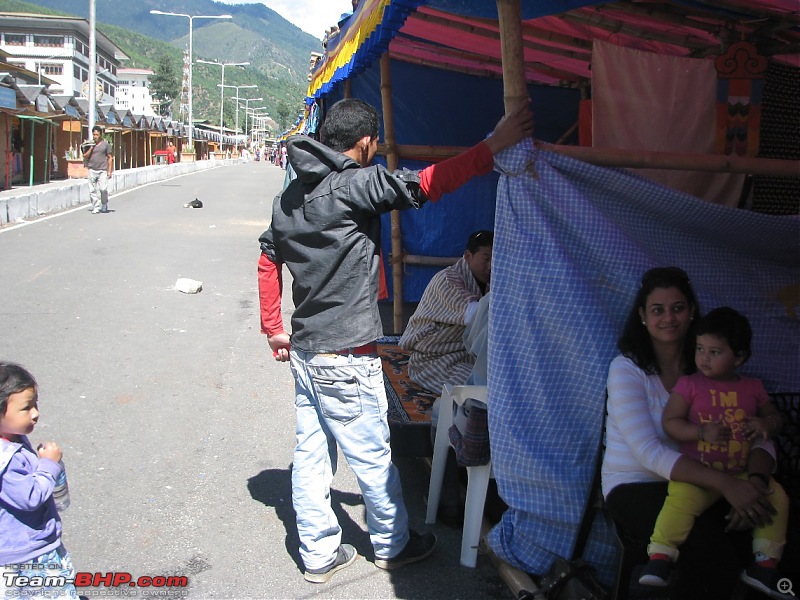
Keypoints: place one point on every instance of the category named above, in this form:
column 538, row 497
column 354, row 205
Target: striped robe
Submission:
column 435, row 332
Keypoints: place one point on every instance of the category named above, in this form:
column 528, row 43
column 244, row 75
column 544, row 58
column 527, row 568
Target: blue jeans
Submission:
column 56, row 563
column 341, row 400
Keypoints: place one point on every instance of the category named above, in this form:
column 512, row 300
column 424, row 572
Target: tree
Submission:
column 284, row 110
column 165, row 85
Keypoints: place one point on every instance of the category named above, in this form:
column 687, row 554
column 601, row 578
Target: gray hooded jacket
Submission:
column 326, row 229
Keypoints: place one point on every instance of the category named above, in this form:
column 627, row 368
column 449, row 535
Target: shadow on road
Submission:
column 273, row 487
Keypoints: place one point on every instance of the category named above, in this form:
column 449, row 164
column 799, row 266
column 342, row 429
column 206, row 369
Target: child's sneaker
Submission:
column 765, row 580
column 656, row 572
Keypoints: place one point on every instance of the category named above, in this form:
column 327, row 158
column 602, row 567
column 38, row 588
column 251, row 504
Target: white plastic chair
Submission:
column 477, row 477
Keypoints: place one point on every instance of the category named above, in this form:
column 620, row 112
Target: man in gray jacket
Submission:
column 326, row 229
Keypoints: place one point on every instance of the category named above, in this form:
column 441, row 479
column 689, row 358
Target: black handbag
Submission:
column 570, row 580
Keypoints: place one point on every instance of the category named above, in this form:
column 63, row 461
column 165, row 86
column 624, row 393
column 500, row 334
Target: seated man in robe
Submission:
column 476, row 341
column 435, row 332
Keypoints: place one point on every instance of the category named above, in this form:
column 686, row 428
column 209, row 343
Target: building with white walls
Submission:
column 58, row 47
column 133, row 91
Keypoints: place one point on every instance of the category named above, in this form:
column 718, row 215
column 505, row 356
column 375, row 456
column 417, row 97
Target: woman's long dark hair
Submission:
column 635, row 342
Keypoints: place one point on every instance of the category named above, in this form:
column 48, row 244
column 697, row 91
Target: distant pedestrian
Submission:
column 101, row 164
column 30, row 544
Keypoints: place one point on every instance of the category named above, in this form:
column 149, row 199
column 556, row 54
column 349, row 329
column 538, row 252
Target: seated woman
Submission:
column 657, row 347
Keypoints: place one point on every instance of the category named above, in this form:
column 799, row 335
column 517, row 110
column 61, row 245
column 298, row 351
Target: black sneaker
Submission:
column 765, row 580
column 417, row 548
column 345, row 556
column 656, row 572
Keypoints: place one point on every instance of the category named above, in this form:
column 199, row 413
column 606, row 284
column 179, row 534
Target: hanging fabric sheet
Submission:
column 652, row 102
column 571, row 244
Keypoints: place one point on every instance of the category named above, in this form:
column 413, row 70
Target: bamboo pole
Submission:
column 420, row 152
column 515, row 89
column 633, row 159
column 431, row 261
column 391, row 163
column 348, row 92
column 567, row 133
column 715, row 163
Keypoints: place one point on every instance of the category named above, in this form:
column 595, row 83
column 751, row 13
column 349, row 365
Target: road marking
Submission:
column 39, row 274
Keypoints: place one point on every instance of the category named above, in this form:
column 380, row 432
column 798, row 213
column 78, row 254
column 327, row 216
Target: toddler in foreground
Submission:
column 30, row 545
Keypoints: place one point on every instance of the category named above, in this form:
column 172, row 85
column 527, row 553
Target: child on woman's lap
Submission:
column 717, row 415
column 30, row 545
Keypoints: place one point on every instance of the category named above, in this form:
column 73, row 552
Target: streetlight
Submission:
column 238, row 87
column 247, row 102
column 191, row 20
column 257, row 117
column 222, row 86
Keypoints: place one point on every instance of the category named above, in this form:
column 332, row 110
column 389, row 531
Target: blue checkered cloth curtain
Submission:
column 571, row 243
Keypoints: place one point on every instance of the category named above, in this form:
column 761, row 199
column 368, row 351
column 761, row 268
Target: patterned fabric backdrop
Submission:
column 780, row 138
column 571, row 243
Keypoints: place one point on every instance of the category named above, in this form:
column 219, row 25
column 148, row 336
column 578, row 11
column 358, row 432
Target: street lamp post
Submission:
column 237, row 98
column 191, row 20
column 247, row 102
column 222, row 86
column 257, row 116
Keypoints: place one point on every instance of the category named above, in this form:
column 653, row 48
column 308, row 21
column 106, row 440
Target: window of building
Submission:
column 76, row 71
column 53, row 41
column 15, row 39
column 52, row 68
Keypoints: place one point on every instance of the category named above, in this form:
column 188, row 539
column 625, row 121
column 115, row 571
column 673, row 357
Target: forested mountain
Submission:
column 278, row 51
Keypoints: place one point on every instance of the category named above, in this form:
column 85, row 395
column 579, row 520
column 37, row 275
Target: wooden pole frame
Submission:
column 515, row 88
column 392, row 160
column 632, row 159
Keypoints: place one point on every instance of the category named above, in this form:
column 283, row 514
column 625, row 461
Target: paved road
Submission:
column 176, row 424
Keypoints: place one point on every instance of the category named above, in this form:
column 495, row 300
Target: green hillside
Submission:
column 278, row 51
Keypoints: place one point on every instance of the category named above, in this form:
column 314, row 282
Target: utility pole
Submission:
column 92, row 65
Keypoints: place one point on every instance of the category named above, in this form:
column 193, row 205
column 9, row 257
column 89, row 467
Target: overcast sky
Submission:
column 312, row 16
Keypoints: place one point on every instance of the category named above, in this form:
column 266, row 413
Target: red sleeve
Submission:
column 383, row 290
column 449, row 175
column 270, row 288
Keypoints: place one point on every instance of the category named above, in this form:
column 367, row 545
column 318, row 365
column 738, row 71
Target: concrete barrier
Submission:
column 22, row 204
